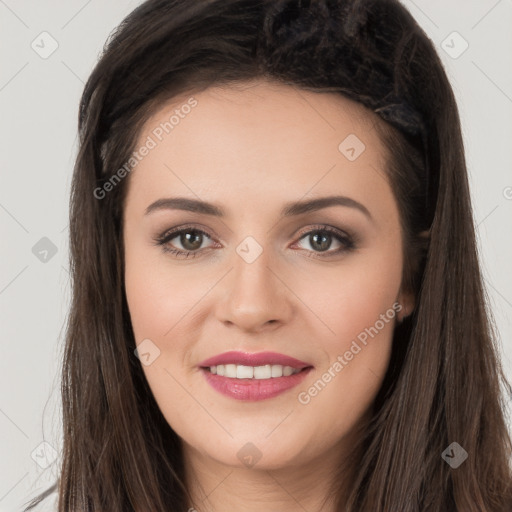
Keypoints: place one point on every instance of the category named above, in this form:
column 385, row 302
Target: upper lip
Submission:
column 254, row 359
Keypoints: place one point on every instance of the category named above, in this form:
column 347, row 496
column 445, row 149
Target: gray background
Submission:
column 39, row 95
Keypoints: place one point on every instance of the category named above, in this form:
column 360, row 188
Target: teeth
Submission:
column 263, row 372
column 237, row 371
column 244, row 372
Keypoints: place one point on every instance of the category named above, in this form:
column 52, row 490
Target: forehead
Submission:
column 261, row 140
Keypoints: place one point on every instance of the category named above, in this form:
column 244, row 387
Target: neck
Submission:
column 217, row 487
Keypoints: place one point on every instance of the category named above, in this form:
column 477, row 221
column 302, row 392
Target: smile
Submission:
column 237, row 371
column 269, row 375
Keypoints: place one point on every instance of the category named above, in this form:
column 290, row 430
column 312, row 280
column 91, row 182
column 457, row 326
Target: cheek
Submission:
column 158, row 294
column 361, row 313
column 353, row 296
column 161, row 302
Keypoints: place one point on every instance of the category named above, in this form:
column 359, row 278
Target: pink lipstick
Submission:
column 253, row 376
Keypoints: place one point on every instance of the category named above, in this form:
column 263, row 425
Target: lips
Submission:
column 253, row 377
column 255, row 359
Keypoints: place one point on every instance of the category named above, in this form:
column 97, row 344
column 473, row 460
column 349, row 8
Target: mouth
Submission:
column 253, row 377
column 238, row 371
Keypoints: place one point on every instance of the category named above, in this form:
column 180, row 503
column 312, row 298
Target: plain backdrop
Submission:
column 48, row 50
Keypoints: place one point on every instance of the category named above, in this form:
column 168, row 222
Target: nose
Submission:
column 254, row 296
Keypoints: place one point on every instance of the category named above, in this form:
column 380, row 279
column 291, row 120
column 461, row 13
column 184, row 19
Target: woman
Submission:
column 277, row 301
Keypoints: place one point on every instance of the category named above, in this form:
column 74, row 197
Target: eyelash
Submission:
column 347, row 241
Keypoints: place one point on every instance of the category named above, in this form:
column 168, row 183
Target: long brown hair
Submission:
column 444, row 382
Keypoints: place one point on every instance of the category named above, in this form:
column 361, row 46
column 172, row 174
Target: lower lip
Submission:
column 254, row 389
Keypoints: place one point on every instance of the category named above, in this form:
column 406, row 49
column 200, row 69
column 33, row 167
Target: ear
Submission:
column 407, row 299
column 407, row 302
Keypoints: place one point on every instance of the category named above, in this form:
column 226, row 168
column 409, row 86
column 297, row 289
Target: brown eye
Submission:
column 321, row 240
column 191, row 240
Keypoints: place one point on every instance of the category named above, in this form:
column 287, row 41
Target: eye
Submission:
column 321, row 239
column 190, row 238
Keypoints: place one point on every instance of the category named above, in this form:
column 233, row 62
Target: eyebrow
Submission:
column 289, row 209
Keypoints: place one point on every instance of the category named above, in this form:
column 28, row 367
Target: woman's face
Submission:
column 262, row 275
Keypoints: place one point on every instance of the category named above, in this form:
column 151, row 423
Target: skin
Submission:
column 251, row 148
